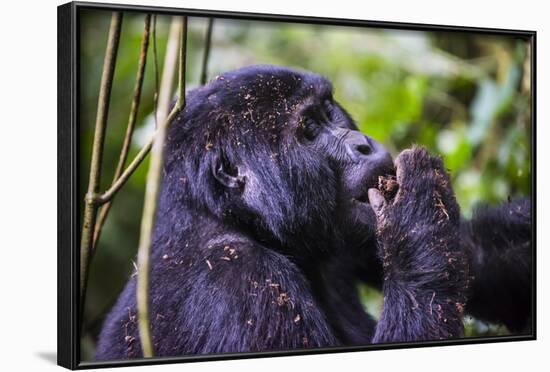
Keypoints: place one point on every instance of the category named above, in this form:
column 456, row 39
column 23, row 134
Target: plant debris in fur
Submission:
column 388, row 186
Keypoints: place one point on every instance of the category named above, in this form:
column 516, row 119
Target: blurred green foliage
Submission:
column 465, row 96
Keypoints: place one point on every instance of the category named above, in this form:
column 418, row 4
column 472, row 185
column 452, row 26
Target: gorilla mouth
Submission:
column 373, row 180
column 362, row 196
column 362, row 199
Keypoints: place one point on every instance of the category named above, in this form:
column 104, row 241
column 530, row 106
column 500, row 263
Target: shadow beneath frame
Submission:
column 48, row 356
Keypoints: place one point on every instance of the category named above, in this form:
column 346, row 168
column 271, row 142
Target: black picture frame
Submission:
column 68, row 337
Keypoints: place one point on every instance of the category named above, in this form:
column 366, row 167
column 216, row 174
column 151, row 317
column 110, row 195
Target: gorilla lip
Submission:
column 363, row 197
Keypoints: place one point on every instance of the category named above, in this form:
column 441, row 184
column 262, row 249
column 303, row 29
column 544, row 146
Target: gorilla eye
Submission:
column 311, row 129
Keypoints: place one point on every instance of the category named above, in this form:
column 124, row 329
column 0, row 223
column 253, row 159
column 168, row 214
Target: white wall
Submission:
column 28, row 156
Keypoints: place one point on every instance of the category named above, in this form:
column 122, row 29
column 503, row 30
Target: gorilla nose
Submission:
column 363, row 148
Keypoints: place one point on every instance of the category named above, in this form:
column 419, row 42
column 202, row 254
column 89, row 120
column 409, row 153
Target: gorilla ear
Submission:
column 226, row 173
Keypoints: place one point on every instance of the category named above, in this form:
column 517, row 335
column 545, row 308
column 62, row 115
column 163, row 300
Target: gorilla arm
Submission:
column 425, row 271
column 498, row 243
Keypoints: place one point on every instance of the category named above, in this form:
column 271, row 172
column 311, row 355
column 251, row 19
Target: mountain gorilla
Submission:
column 274, row 205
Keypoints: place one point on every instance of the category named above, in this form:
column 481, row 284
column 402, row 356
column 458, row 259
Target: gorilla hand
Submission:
column 425, row 271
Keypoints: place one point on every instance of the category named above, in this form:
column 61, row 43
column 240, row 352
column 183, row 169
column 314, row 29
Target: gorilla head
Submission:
column 268, row 151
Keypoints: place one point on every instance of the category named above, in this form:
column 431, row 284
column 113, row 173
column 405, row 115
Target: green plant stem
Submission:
column 156, row 64
column 152, row 190
column 166, row 92
column 125, row 176
column 206, row 55
column 90, row 204
column 103, row 213
column 162, row 106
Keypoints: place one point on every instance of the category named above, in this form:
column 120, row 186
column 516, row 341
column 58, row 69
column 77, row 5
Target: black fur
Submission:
column 263, row 229
column 498, row 242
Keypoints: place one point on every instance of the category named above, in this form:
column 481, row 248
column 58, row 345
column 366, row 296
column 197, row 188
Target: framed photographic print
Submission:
column 236, row 185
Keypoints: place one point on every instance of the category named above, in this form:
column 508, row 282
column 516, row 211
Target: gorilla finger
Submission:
column 414, row 172
column 377, row 201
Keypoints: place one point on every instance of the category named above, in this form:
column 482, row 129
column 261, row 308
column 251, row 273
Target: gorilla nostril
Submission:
column 364, row 149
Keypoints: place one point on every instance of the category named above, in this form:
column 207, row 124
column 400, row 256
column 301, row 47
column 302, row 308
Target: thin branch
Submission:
column 206, row 54
column 180, row 103
column 131, row 125
column 164, row 97
column 169, row 71
column 152, row 191
column 156, row 62
column 90, row 206
column 125, row 176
